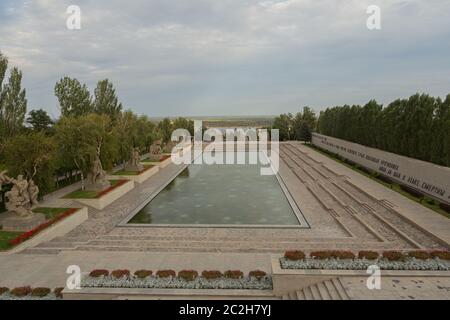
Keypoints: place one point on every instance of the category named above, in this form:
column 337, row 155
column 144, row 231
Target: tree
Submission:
column 39, row 120
column 106, row 101
column 76, row 144
column 165, row 129
column 32, row 154
column 284, row 124
column 183, row 123
column 13, row 104
column 74, row 98
column 305, row 132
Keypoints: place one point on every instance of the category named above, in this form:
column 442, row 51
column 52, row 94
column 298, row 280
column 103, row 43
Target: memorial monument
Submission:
column 155, row 151
column 97, row 177
column 134, row 164
column 20, row 201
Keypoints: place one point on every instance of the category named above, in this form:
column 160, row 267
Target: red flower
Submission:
column 29, row 234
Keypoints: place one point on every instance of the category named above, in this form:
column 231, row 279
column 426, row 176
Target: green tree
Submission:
column 13, row 104
column 76, row 144
column 39, row 120
column 284, row 124
column 32, row 154
column 74, row 98
column 165, row 129
column 106, row 100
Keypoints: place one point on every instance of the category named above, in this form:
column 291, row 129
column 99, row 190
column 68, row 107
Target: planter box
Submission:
column 58, row 229
column 157, row 294
column 110, row 197
column 138, row 178
column 288, row 280
column 160, row 164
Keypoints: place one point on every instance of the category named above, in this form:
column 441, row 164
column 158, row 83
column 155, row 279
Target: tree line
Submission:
column 416, row 127
column 46, row 150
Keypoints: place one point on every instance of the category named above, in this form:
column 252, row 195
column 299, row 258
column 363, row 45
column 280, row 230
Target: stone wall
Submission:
column 425, row 177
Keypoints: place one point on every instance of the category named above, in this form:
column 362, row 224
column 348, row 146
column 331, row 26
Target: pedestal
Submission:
column 13, row 222
column 99, row 186
column 134, row 168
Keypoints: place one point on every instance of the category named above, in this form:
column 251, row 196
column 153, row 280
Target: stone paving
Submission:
column 345, row 210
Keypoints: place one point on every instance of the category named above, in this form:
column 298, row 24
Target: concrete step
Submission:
column 340, row 289
column 323, row 291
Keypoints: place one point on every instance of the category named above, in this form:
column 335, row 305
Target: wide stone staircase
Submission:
column 326, row 290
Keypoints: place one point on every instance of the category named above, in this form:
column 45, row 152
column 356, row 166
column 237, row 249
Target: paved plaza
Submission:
column 344, row 209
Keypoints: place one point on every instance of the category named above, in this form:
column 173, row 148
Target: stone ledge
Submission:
column 153, row 294
column 286, row 280
column 139, row 178
column 58, row 229
column 108, row 198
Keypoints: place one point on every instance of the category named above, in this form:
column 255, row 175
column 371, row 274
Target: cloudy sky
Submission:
column 231, row 57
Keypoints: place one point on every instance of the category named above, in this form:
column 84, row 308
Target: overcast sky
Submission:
column 230, row 57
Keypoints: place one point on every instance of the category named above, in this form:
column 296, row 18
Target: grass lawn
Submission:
column 85, row 194
column 5, row 237
column 50, row 213
column 426, row 201
column 163, row 157
column 132, row 173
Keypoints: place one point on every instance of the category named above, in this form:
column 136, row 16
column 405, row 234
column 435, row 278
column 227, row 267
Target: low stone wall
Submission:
column 425, row 177
column 287, row 280
column 58, row 229
column 154, row 294
column 161, row 164
column 139, row 178
column 108, row 198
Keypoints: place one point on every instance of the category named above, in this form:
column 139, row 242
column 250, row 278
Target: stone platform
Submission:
column 12, row 222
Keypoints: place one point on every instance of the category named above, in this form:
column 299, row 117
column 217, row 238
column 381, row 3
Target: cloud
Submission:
column 204, row 57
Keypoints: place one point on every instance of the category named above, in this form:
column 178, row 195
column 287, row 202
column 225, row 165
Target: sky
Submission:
column 230, row 57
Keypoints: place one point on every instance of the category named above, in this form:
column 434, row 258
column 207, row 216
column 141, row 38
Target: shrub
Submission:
column 258, row 274
column 121, row 273
column 421, row 255
column 234, row 274
column 142, row 274
column 213, row 274
column 384, row 179
column 188, row 275
column 40, row 292
column 393, row 255
column 337, row 254
column 58, row 292
column 443, row 255
column 444, row 207
column 21, row 291
column 294, row 255
column 3, row 290
column 321, row 255
column 412, row 191
column 369, row 255
column 166, row 273
column 99, row 273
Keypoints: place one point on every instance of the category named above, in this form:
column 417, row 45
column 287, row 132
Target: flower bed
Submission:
column 85, row 194
column 116, row 185
column 184, row 279
column 27, row 293
column 29, row 234
column 388, row 260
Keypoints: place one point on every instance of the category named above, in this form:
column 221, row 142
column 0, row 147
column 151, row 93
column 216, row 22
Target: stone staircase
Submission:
column 326, row 290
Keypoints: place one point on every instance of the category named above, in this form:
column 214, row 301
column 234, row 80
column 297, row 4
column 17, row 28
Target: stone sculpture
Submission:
column 155, row 151
column 97, row 177
column 135, row 161
column 20, row 201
